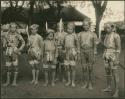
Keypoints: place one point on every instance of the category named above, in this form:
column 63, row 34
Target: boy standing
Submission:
column 87, row 45
column 12, row 40
column 59, row 38
column 49, row 60
column 35, row 52
column 112, row 43
column 70, row 47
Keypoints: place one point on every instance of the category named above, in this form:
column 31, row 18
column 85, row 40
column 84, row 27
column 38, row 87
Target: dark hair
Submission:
column 87, row 20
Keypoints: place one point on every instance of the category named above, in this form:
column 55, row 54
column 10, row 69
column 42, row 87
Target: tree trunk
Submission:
column 98, row 20
column 97, row 27
column 32, row 2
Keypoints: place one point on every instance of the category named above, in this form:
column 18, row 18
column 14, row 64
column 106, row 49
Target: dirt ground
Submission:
column 27, row 90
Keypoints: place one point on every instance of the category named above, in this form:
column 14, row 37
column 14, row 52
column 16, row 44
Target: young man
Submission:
column 87, row 47
column 12, row 52
column 59, row 38
column 112, row 43
column 35, row 52
column 50, row 55
column 70, row 47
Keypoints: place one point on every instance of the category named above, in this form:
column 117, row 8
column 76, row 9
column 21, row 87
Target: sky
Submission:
column 116, row 7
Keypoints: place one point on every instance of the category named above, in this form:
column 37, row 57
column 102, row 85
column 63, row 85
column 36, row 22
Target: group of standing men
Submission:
column 60, row 51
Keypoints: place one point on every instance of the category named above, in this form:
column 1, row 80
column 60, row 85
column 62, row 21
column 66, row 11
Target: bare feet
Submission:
column 33, row 81
column 90, row 87
column 68, row 83
column 116, row 95
column 84, row 86
column 53, row 84
column 73, row 85
column 45, row 84
column 14, row 84
column 6, row 84
column 36, row 82
column 108, row 89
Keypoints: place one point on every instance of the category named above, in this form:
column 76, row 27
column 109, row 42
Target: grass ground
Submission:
column 27, row 90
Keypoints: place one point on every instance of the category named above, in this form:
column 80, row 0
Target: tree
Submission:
column 31, row 10
column 13, row 11
column 100, row 7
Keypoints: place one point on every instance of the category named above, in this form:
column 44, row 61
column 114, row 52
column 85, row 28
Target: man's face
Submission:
column 50, row 36
column 108, row 29
column 12, row 28
column 86, row 25
column 70, row 30
column 58, row 29
column 33, row 31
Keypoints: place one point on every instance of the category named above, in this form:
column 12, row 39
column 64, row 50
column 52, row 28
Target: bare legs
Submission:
column 112, row 73
column 15, row 76
column 14, row 83
column 8, row 77
column 46, row 73
column 87, row 75
column 35, row 74
column 71, row 76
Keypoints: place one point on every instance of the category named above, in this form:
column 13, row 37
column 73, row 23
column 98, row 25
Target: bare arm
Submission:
column 95, row 43
column 118, row 44
column 41, row 44
column 22, row 42
column 78, row 43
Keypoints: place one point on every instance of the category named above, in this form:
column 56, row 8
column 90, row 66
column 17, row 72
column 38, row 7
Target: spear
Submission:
column 27, row 31
column 60, row 25
column 46, row 26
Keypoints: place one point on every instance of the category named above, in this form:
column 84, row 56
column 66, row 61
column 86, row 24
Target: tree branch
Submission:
column 94, row 4
column 104, row 6
column 11, row 3
column 22, row 3
column 16, row 3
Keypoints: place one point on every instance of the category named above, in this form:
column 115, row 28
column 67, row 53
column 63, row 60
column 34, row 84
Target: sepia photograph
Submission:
column 62, row 49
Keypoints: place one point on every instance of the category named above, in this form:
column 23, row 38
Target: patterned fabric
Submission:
column 60, row 56
column 12, row 43
column 87, row 57
column 109, row 54
column 35, row 47
column 49, row 52
column 71, row 54
column 11, row 60
column 70, row 41
column 111, row 59
column 87, row 40
column 113, row 41
column 13, row 40
column 34, row 53
column 70, row 46
column 59, row 38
